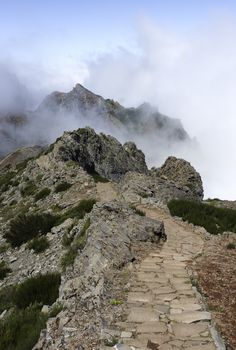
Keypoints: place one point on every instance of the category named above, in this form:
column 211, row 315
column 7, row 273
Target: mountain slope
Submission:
column 80, row 108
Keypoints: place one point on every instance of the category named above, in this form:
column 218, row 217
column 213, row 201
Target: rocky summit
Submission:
column 80, row 107
column 90, row 257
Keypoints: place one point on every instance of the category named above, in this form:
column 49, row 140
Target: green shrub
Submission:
column 231, row 245
column 56, row 308
column 29, row 189
column 62, row 187
column 81, row 239
column 43, row 289
column 78, row 244
column 99, row 178
column 39, row 244
column 21, row 329
column 215, row 220
column 25, row 227
column 42, row 194
column 3, row 248
column 4, row 270
column 79, row 211
column 6, row 298
column 69, row 257
column 6, row 180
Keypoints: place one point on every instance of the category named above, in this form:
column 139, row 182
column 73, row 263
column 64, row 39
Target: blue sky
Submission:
column 40, row 27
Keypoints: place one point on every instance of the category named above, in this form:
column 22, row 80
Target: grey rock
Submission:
column 182, row 173
column 99, row 153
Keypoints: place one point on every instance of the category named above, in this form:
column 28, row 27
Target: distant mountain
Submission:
column 80, row 107
column 144, row 119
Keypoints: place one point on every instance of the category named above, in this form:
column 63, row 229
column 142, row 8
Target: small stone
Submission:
column 125, row 334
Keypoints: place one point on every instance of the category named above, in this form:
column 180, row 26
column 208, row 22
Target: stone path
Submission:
column 164, row 312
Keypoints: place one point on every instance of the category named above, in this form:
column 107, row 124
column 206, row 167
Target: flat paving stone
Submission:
column 190, row 317
column 152, row 327
column 183, row 331
column 143, row 315
column 140, row 297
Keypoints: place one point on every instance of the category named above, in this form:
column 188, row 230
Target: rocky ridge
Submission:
column 112, row 235
column 81, row 107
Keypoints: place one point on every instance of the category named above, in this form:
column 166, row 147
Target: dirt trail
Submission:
column 106, row 191
column 164, row 311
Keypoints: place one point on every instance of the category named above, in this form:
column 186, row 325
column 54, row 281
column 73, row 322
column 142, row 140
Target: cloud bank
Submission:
column 187, row 75
column 190, row 76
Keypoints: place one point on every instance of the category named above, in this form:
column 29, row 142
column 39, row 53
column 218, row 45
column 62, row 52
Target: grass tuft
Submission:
column 62, row 187
column 42, row 194
column 39, row 244
column 4, row 270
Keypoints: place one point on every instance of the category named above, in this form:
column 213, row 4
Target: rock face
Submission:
column 176, row 179
column 181, row 172
column 99, row 153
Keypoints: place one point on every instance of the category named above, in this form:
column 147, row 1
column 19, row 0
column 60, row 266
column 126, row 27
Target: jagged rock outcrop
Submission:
column 99, row 153
column 176, row 179
column 182, row 173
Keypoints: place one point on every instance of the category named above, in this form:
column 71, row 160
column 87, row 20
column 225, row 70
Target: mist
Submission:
column 190, row 76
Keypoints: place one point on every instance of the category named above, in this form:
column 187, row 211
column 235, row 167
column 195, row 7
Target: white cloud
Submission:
column 191, row 76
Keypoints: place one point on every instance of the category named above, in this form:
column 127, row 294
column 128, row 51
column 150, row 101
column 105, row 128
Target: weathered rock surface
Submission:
column 99, row 153
column 182, row 173
column 176, row 179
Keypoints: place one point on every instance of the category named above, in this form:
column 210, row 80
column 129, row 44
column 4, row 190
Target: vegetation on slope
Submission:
column 214, row 220
column 20, row 329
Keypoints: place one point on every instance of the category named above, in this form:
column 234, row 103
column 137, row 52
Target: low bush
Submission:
column 39, row 244
column 231, row 245
column 6, row 298
column 215, row 220
column 5, row 180
column 25, row 227
column 43, row 289
column 78, row 244
column 62, row 187
column 4, row 270
column 20, row 330
column 99, row 178
column 29, row 189
column 69, row 257
column 3, row 248
column 42, row 194
column 79, row 211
